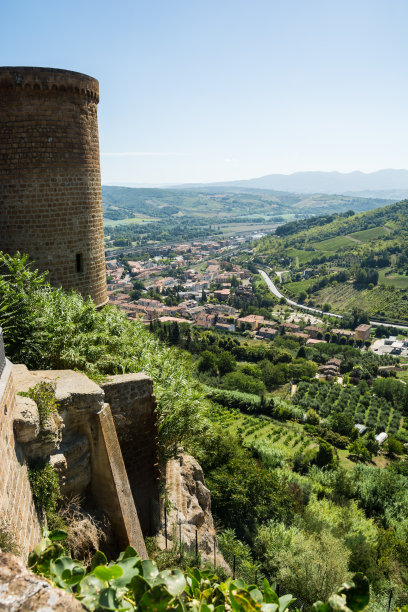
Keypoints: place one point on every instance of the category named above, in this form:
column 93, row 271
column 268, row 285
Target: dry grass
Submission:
column 86, row 534
column 8, row 543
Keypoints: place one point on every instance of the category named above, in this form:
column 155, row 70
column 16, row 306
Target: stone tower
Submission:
column 50, row 184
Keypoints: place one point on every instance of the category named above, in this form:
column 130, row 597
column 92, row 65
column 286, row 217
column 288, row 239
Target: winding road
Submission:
column 273, row 288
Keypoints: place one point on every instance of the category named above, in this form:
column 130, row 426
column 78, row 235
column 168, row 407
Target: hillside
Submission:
column 383, row 183
column 351, row 260
column 224, row 204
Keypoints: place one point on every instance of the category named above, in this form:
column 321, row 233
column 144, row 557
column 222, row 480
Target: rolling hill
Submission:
column 224, row 204
column 388, row 184
column 351, row 260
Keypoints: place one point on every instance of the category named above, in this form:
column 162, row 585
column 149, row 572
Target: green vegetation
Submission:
column 275, row 466
column 48, row 328
column 44, row 396
column 362, row 407
column 46, row 491
column 354, row 260
column 223, row 204
column 132, row 584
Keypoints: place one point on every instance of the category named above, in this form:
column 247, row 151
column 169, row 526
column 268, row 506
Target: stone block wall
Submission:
column 134, row 413
column 107, row 457
column 16, row 504
column 50, row 185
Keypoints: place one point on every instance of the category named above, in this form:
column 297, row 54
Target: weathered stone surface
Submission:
column 23, row 591
column 26, row 420
column 50, row 184
column 134, row 413
column 191, row 506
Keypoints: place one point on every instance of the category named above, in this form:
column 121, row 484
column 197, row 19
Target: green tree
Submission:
column 226, row 363
column 312, row 417
column 207, row 362
column 325, row 455
column 394, row 447
column 312, row 565
column 359, row 450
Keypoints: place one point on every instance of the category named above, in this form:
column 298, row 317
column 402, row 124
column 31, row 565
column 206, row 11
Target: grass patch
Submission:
column 369, row 234
column 392, row 280
column 333, row 244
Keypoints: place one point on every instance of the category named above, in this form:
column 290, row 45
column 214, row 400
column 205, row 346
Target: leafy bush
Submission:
column 243, row 382
column 46, row 490
column 130, row 584
column 49, row 328
column 44, row 396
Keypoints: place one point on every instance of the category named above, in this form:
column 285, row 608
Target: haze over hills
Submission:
column 388, row 184
column 121, row 203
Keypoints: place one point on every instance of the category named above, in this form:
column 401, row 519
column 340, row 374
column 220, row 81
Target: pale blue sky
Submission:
column 204, row 90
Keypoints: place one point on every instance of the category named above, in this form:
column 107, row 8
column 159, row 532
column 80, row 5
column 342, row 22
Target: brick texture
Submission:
column 50, row 185
column 16, row 502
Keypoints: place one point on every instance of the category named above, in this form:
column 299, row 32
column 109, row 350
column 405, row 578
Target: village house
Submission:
column 267, row 333
column 314, row 332
column 362, row 332
column 230, row 327
column 290, row 328
column 222, row 294
column 205, row 320
column 308, row 272
column 250, row 322
column 346, row 333
column 331, row 369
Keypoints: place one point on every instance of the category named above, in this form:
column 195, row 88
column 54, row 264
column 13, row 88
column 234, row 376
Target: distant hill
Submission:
column 389, row 184
column 356, row 260
column 222, row 202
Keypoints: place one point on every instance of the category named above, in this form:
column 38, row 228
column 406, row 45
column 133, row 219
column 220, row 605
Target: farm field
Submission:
column 333, row 244
column 130, row 220
column 240, row 228
column 375, row 413
column 382, row 301
column 296, row 288
column 303, row 256
column 288, row 437
column 392, row 280
column 369, row 234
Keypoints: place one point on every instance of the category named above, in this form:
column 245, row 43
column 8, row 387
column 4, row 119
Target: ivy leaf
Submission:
column 108, row 600
column 130, row 570
column 173, row 580
column 66, row 572
column 99, row 558
column 107, row 573
column 57, row 535
column 88, row 591
column 130, row 552
column 156, row 599
column 149, row 571
column 284, row 602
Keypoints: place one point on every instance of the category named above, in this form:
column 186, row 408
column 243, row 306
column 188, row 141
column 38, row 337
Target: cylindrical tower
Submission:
column 50, row 183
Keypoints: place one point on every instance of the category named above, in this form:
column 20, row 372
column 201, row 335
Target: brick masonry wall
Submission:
column 133, row 407
column 16, row 503
column 50, row 186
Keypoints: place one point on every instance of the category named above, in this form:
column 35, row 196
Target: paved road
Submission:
column 279, row 295
column 272, row 287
